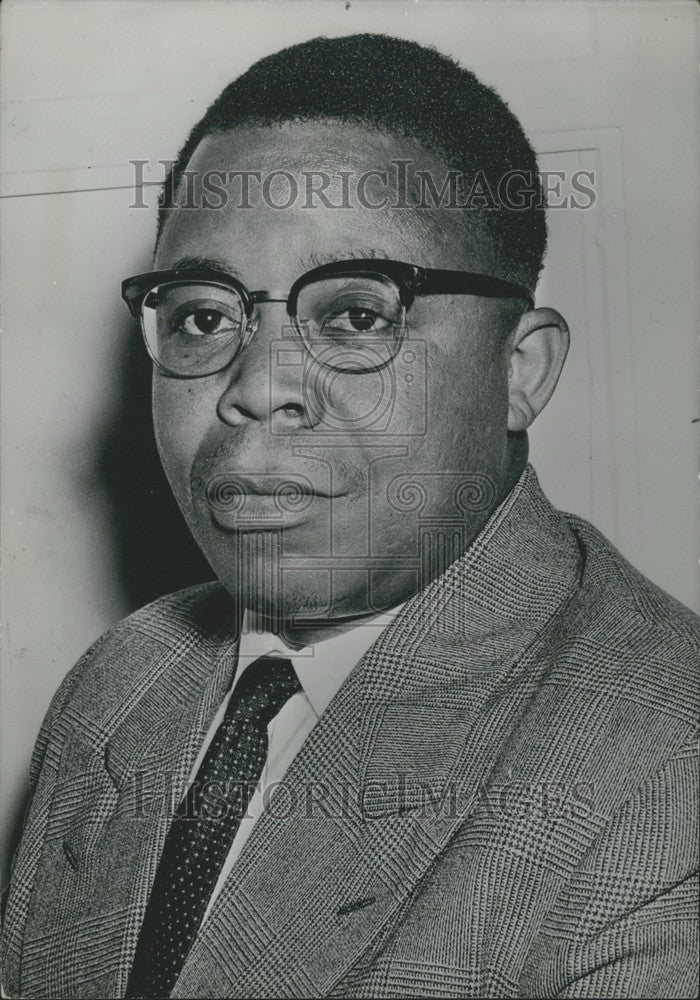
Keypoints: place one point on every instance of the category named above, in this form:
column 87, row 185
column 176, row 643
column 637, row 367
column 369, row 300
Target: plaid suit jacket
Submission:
column 497, row 803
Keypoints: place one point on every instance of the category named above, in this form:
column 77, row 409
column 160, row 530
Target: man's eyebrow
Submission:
column 220, row 266
column 206, row 264
column 354, row 253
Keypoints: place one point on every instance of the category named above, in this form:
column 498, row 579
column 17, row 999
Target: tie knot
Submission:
column 265, row 685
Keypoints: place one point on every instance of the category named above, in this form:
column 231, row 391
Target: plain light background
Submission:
column 89, row 86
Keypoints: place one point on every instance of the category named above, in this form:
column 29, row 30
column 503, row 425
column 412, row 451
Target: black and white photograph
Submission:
column 350, row 534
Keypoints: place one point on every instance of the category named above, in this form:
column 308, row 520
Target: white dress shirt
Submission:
column 321, row 669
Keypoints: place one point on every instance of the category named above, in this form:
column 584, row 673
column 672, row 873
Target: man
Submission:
column 428, row 736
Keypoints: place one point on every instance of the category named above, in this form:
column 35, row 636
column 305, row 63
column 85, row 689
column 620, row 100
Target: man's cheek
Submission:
column 177, row 438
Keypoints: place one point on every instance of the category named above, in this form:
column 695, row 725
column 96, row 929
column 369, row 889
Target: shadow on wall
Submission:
column 153, row 550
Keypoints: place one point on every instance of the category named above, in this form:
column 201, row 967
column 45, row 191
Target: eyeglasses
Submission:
column 350, row 315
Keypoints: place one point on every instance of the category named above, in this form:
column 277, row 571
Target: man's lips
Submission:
column 224, row 487
column 237, row 501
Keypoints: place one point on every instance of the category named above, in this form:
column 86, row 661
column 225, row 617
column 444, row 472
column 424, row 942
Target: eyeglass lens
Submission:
column 192, row 329
column 351, row 322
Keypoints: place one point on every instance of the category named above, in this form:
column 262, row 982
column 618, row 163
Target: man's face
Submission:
column 397, row 468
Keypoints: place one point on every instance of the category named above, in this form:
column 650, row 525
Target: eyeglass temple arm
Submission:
column 453, row 282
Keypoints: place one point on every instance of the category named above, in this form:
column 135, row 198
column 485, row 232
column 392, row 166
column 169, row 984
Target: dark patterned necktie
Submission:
column 205, row 825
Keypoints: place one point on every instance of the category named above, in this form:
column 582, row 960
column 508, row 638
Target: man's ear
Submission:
column 538, row 348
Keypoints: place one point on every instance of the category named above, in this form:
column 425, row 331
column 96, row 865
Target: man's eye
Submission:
column 205, row 322
column 356, row 320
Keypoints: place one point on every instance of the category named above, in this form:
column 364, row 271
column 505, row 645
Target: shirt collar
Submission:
column 321, row 667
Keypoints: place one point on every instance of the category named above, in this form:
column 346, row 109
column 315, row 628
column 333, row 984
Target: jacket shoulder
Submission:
column 202, row 612
column 625, row 598
column 627, row 634
column 205, row 609
column 198, row 621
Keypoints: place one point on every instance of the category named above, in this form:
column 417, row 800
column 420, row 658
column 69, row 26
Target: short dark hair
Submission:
column 401, row 87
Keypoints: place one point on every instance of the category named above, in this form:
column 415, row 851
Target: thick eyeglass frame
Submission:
column 410, row 280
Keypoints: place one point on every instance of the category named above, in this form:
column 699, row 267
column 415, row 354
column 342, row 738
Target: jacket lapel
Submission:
column 389, row 772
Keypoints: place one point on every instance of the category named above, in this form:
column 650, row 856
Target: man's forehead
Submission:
column 334, row 187
column 328, row 164
column 309, row 145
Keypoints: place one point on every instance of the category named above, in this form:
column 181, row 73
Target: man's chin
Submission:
column 288, row 574
column 265, row 574
column 296, row 600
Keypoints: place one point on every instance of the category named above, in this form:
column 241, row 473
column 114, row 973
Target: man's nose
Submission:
column 265, row 383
